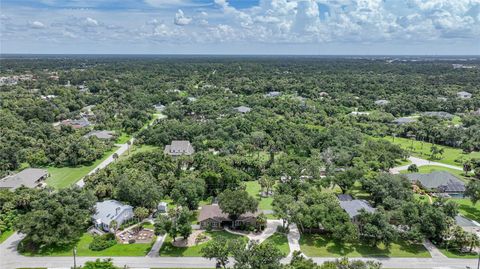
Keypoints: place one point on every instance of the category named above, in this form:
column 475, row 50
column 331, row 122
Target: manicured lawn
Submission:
column 426, row 169
column 456, row 254
column 321, row 246
column 123, row 138
column 280, row 241
column 168, row 250
column 6, row 234
column 253, row 188
column 467, row 209
column 63, row 177
column 357, row 192
column 449, row 156
column 83, row 250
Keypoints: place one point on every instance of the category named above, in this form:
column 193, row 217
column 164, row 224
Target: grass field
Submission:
column 6, row 234
column 431, row 168
column 253, row 188
column 467, row 209
column 135, row 149
column 280, row 241
column 321, row 246
column 63, row 177
column 83, row 250
column 458, row 255
column 123, row 138
column 168, row 250
column 422, row 150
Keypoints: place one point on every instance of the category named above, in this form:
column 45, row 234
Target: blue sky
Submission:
column 366, row 27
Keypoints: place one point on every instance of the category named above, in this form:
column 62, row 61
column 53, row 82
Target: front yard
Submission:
column 6, row 234
column 457, row 255
column 280, row 241
column 169, row 250
column 63, row 177
column 83, row 250
column 322, row 246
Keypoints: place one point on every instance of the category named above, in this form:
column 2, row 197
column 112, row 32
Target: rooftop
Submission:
column 243, row 109
column 101, row 134
column 214, row 212
column 404, row 120
column 440, row 180
column 108, row 210
column 28, row 177
column 353, row 207
column 179, row 147
column 439, row 114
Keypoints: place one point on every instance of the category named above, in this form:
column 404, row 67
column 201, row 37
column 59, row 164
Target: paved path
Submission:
column 269, row 231
column 293, row 239
column 422, row 162
column 107, row 161
column 154, row 252
column 434, row 252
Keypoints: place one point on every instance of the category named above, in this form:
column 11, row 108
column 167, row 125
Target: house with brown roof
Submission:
column 212, row 216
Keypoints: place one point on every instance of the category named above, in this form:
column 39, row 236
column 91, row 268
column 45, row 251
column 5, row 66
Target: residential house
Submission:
column 212, row 216
column 359, row 113
column 273, row 94
column 87, row 112
column 111, row 210
column 243, row 109
column 77, row 124
column 404, row 120
column 464, row 95
column 162, row 207
column 159, row 107
column 438, row 114
column 438, row 181
column 30, row 178
column 179, row 147
column 382, row 102
column 354, row 207
column 107, row 135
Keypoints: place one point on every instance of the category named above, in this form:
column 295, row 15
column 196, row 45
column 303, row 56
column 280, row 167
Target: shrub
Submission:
column 102, row 242
column 131, row 241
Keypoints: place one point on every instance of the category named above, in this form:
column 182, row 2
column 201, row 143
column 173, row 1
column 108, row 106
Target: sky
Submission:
column 295, row 27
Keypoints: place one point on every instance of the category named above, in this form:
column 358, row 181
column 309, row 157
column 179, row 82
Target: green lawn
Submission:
column 357, row 192
column 123, row 138
column 6, row 234
column 168, row 250
column 280, row 241
column 83, row 250
column 135, row 149
column 449, row 156
column 467, row 209
column 456, row 254
column 321, row 246
column 426, row 169
column 253, row 188
column 63, row 177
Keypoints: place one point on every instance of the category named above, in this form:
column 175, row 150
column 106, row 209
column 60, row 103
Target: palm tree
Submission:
column 467, row 167
column 267, row 183
column 473, row 240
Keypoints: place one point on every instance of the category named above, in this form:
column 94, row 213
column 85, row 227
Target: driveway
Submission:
column 422, row 162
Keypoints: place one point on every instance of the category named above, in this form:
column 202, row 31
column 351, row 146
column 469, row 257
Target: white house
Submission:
column 464, row 95
column 109, row 210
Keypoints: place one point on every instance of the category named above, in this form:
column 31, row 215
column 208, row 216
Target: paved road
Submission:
column 10, row 259
column 422, row 162
column 122, row 148
column 293, row 239
column 156, row 247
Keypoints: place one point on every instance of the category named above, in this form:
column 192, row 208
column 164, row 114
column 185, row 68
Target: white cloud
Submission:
column 89, row 22
column 36, row 25
column 180, row 18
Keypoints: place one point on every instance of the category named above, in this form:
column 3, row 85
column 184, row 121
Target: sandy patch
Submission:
column 191, row 240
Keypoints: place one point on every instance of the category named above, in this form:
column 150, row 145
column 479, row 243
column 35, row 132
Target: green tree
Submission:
column 413, row 168
column 236, row 202
column 374, row 228
column 141, row 213
column 100, row 264
column 263, row 256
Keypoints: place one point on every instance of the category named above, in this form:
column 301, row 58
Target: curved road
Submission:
column 422, row 162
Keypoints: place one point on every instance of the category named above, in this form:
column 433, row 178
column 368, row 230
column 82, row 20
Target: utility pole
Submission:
column 74, row 257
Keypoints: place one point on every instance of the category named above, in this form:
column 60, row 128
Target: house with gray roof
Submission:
column 77, row 123
column 179, row 147
column 438, row 114
column 464, row 95
column 212, row 216
column 382, row 102
column 404, row 120
column 159, row 107
column 438, row 181
column 243, row 109
column 111, row 210
column 354, row 207
column 273, row 94
column 30, row 178
column 101, row 134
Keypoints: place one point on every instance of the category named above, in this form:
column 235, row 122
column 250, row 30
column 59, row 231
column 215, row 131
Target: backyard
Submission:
column 63, row 177
column 323, row 246
column 168, row 250
column 253, row 188
column 136, row 249
column 422, row 150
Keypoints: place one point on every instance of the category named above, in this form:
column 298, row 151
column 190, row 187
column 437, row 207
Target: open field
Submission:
column 83, row 250
column 280, row 241
column 321, row 246
column 168, row 250
column 253, row 188
column 63, row 177
column 422, row 150
column 458, row 255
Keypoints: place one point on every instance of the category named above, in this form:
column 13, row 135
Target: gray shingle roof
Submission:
column 353, row 207
column 441, row 181
column 109, row 210
column 29, row 177
column 273, row 94
column 382, row 102
column 179, row 147
column 243, row 109
column 404, row 120
column 100, row 134
column 344, row 197
column 438, row 114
